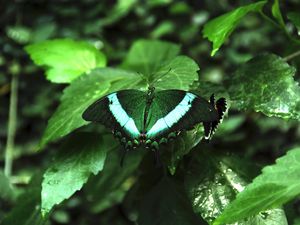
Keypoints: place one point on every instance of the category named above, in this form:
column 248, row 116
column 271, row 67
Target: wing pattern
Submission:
column 172, row 117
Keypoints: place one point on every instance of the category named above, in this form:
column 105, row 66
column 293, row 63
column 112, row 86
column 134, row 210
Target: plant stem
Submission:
column 282, row 28
column 270, row 20
column 12, row 124
column 291, row 56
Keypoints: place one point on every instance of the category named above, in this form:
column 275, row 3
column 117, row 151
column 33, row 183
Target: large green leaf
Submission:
column 28, row 209
column 146, row 56
column 178, row 73
column 80, row 94
column 212, row 182
column 277, row 13
column 266, row 84
column 65, row 59
column 166, row 203
column 276, row 185
column 219, row 29
column 82, row 154
column 157, row 62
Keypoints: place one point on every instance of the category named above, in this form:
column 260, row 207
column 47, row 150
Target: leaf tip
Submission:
column 214, row 51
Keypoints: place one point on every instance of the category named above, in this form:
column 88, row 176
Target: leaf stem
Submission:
column 291, row 56
column 283, row 28
column 12, row 124
column 270, row 20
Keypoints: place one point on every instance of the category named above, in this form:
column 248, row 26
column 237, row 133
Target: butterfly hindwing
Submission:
column 174, row 110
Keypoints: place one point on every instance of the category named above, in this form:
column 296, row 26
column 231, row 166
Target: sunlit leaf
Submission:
column 157, row 62
column 65, row 59
column 219, row 29
column 266, row 84
column 83, row 154
column 80, row 94
column 178, row 73
column 212, row 183
column 278, row 184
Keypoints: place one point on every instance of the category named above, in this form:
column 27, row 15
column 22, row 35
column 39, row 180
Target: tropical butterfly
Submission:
column 151, row 118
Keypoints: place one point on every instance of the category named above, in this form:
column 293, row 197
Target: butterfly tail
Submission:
column 221, row 108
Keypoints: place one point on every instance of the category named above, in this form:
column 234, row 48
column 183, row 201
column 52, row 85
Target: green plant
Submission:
column 200, row 183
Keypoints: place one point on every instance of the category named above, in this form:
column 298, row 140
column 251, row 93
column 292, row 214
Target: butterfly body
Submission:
column 152, row 118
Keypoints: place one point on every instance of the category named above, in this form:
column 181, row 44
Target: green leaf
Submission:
column 295, row 18
column 7, row 192
column 219, row 29
column 166, row 203
column 120, row 9
column 212, row 182
column 80, row 94
column 164, row 28
column 266, row 84
column 146, row 56
column 65, row 59
column 19, row 34
column 81, row 155
column 28, row 209
column 160, row 66
column 109, row 187
column 276, row 13
column 178, row 73
column 208, row 189
column 276, row 185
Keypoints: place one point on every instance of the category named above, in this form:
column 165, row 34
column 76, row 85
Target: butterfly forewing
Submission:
column 122, row 110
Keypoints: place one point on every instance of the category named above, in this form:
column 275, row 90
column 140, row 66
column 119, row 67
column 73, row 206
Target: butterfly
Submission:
column 152, row 118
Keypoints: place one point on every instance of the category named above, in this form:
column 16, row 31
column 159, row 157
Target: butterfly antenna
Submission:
column 161, row 76
column 144, row 77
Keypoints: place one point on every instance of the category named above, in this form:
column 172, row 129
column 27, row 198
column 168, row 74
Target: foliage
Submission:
column 83, row 154
column 247, row 174
column 276, row 185
column 218, row 29
column 65, row 59
column 268, row 86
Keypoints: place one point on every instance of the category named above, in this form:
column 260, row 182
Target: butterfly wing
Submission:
column 174, row 110
column 122, row 111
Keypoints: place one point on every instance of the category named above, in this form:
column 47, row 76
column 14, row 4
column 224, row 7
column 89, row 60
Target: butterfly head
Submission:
column 143, row 138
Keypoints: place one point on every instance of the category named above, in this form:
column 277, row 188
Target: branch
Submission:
column 291, row 56
column 12, row 124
